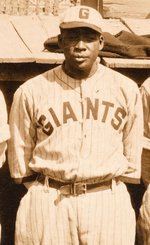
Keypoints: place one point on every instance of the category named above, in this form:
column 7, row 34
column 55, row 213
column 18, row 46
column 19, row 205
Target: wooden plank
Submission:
column 113, row 26
column 47, row 57
column 31, row 32
column 138, row 26
column 22, row 71
column 126, row 63
column 50, row 24
column 12, row 48
column 34, row 31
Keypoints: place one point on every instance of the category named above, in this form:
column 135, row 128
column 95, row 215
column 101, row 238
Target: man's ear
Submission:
column 101, row 42
column 60, row 41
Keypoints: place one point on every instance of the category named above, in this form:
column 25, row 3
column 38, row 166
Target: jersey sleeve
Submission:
column 145, row 95
column 132, row 137
column 22, row 130
column 4, row 129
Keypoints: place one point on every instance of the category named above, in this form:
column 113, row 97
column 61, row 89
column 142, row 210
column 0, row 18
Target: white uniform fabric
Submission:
column 98, row 218
column 4, row 129
column 143, row 224
column 76, row 130
column 145, row 94
column 73, row 130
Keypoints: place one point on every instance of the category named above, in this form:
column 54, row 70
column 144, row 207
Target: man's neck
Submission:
column 78, row 73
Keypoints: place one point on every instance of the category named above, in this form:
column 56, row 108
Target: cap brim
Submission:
column 74, row 24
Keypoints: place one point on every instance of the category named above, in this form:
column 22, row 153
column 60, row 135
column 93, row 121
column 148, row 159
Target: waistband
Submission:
column 76, row 188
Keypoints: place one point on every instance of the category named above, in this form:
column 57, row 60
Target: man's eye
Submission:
column 91, row 39
column 73, row 37
column 76, row 38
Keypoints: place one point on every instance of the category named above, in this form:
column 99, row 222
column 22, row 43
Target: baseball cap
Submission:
column 81, row 16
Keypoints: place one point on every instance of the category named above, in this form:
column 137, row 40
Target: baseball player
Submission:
column 4, row 133
column 143, row 224
column 78, row 127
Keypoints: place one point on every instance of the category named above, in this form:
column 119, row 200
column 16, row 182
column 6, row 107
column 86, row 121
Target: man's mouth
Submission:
column 80, row 58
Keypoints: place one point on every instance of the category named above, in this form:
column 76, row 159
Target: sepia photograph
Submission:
column 75, row 122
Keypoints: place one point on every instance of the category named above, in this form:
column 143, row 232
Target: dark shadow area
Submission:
column 136, row 193
column 10, row 195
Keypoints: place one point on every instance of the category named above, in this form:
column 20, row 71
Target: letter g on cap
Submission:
column 84, row 13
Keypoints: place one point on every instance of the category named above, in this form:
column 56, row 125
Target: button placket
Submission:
column 85, row 142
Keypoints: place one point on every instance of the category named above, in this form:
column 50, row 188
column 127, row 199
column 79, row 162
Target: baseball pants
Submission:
column 143, row 223
column 46, row 217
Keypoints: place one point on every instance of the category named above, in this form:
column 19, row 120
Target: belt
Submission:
column 76, row 188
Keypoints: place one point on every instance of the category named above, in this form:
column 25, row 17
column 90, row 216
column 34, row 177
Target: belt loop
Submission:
column 113, row 186
column 46, row 184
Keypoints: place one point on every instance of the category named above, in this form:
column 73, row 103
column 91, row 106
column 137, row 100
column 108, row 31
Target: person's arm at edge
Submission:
column 21, row 144
column 132, row 138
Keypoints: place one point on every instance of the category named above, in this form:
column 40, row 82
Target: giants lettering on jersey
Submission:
column 92, row 109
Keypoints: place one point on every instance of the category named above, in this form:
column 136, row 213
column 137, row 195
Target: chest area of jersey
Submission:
column 67, row 109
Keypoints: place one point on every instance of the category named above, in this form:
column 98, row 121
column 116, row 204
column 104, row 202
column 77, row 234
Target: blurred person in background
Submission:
column 143, row 224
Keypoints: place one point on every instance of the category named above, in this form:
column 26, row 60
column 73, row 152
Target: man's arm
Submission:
column 22, row 131
column 132, row 138
column 145, row 95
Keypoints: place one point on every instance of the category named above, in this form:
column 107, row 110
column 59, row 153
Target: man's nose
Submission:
column 80, row 44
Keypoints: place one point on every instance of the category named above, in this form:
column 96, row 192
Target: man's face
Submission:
column 81, row 47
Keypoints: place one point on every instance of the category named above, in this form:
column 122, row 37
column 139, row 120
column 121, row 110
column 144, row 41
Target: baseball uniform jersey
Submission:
column 73, row 130
column 143, row 224
column 145, row 94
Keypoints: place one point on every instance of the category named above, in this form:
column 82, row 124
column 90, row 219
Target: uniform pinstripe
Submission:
column 73, row 130
column 54, row 103
column 143, row 224
column 73, row 218
column 145, row 94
